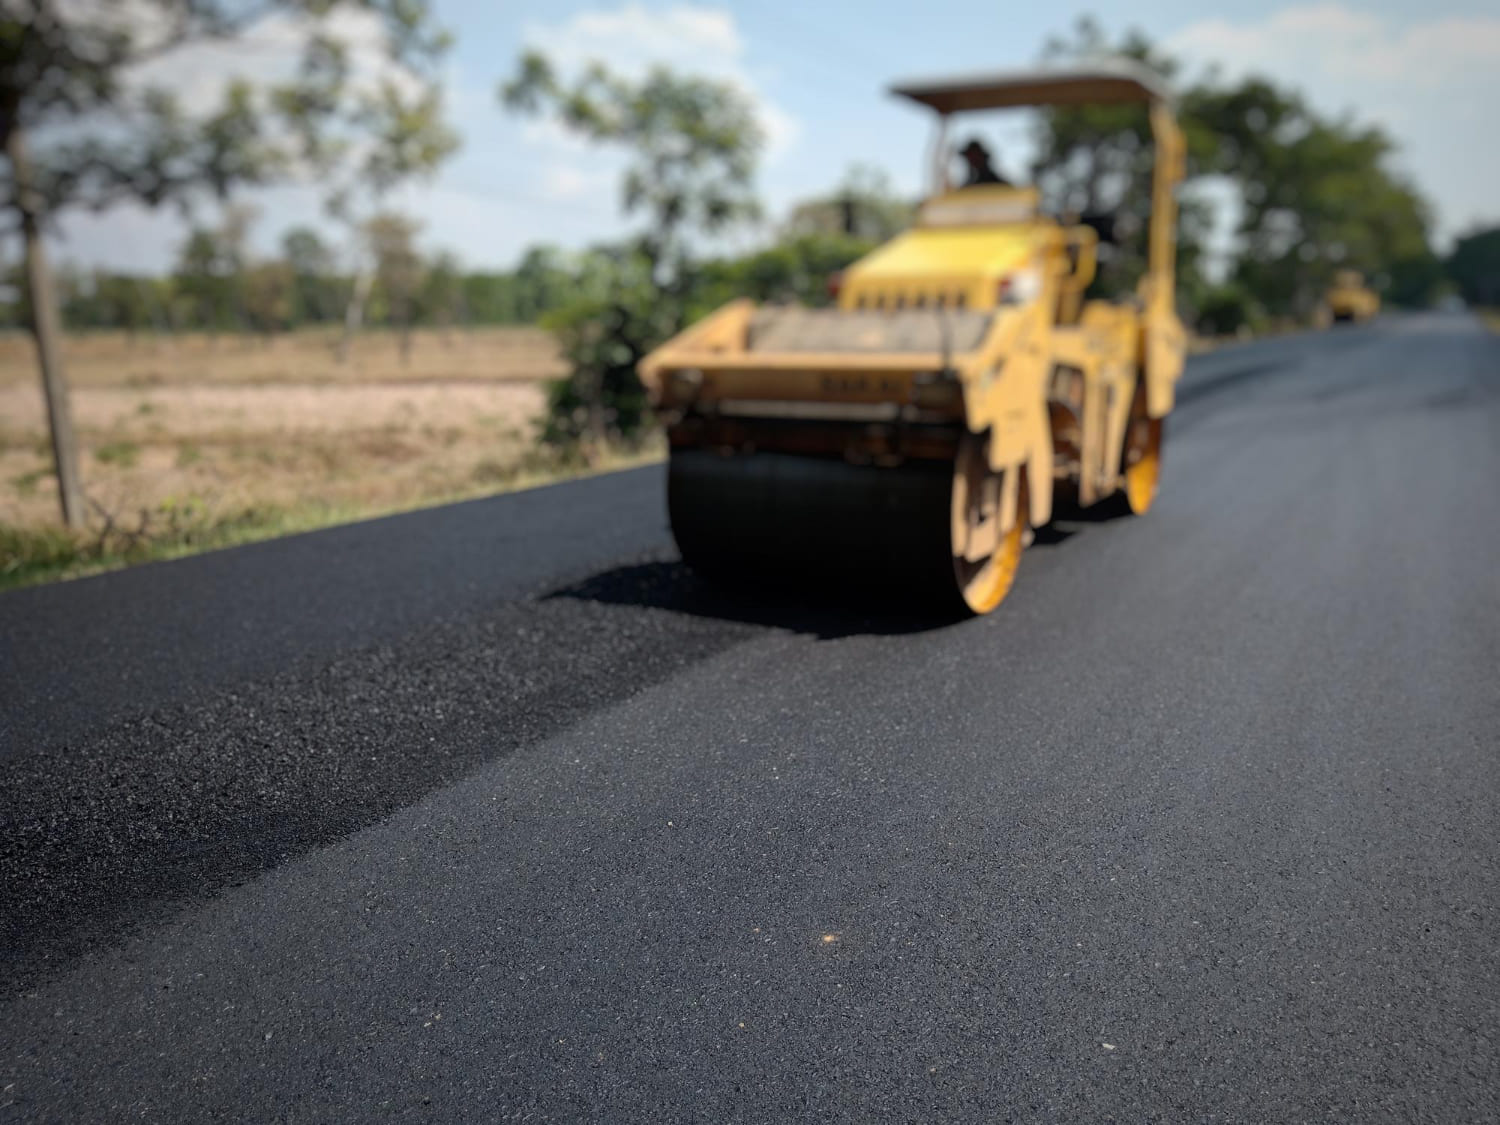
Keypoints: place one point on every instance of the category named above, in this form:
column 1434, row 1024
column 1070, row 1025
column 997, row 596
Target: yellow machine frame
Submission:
column 1056, row 388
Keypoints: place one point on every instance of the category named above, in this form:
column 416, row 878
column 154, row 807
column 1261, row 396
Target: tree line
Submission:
column 217, row 285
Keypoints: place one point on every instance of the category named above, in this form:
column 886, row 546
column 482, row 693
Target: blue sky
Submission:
column 1429, row 73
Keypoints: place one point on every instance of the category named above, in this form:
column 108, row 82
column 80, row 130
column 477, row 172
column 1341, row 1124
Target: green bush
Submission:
column 619, row 311
column 1226, row 310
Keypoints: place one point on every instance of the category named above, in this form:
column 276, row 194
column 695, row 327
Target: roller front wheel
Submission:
column 927, row 532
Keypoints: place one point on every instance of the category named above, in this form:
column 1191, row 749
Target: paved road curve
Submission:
column 494, row 813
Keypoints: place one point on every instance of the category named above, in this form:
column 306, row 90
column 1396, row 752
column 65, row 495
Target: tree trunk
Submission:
column 47, row 332
column 354, row 314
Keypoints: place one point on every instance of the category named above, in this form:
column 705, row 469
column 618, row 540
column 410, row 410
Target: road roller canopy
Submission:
column 1103, row 81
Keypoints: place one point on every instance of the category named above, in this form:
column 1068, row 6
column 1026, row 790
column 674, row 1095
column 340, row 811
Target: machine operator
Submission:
column 981, row 170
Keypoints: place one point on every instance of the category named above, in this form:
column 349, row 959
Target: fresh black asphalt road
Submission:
column 495, row 813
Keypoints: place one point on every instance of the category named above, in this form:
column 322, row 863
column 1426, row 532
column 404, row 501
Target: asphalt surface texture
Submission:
column 495, row 812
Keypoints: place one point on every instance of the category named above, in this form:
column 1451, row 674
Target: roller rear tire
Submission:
column 1142, row 464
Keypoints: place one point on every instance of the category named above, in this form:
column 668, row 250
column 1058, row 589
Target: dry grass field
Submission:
column 187, row 433
column 113, row 359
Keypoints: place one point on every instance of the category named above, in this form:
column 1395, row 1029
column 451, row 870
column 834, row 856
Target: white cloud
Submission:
column 1341, row 43
column 700, row 41
column 1431, row 84
column 268, row 52
column 632, row 38
column 564, row 182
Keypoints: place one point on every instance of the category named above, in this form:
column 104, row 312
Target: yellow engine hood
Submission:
column 953, row 266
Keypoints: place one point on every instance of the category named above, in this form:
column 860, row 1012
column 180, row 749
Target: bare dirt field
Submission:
column 221, row 425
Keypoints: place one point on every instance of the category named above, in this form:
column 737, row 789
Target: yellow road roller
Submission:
column 1349, row 300
column 912, row 435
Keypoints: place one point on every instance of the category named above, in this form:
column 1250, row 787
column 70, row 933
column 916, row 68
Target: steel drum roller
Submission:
column 780, row 517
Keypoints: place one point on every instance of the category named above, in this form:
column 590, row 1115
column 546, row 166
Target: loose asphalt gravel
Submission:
column 495, row 812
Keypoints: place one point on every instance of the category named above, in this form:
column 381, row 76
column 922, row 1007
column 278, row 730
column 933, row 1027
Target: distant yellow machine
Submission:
column 1350, row 300
column 915, row 433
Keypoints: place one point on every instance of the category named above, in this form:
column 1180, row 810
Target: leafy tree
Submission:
column 76, row 296
column 80, row 126
column 201, row 281
column 407, row 139
column 543, row 282
column 1228, row 309
column 693, row 145
column 111, row 300
column 268, row 293
column 1416, row 281
column 441, row 300
column 15, row 310
column 315, row 286
column 121, row 301
column 210, row 273
column 1094, row 164
column 1474, row 266
column 398, row 268
column 489, row 297
column 233, row 238
column 1317, row 194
